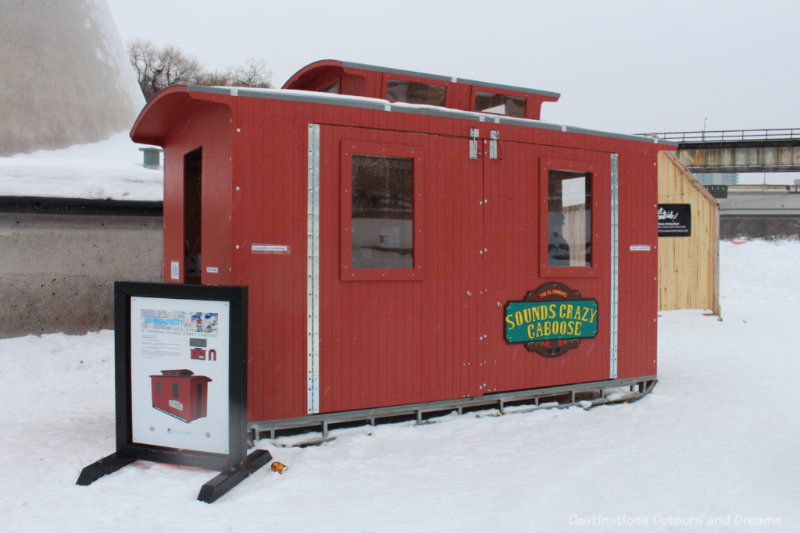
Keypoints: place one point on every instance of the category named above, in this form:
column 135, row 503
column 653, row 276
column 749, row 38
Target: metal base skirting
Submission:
column 584, row 394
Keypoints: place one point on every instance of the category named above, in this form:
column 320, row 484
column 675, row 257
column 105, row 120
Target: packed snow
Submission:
column 111, row 169
column 712, row 448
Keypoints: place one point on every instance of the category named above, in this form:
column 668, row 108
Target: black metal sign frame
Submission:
column 235, row 464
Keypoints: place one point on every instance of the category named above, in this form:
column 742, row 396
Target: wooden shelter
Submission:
column 688, row 265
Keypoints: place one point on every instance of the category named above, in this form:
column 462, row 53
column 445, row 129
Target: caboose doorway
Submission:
column 200, row 401
column 192, row 210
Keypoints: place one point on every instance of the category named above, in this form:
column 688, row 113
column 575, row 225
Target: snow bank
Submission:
column 107, row 169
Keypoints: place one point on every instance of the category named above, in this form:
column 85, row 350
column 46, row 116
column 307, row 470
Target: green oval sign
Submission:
column 542, row 321
column 551, row 320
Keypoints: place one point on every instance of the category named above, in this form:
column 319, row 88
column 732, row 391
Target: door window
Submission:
column 382, row 214
column 381, row 219
column 568, row 218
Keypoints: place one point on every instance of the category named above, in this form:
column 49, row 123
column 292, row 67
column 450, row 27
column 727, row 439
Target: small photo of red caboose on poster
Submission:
column 181, row 394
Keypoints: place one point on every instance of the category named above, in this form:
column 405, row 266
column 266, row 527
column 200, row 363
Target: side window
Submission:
column 569, row 218
column 415, row 92
column 381, row 219
column 501, row 104
column 175, row 390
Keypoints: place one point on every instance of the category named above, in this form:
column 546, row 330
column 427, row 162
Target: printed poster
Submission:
column 179, row 373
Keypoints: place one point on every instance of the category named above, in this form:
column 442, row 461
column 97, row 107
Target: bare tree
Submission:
column 254, row 74
column 218, row 79
column 157, row 68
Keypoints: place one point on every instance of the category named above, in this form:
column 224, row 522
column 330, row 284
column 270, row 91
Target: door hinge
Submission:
column 494, row 137
column 474, row 133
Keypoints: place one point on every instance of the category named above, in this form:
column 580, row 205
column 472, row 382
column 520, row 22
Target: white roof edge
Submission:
column 378, row 104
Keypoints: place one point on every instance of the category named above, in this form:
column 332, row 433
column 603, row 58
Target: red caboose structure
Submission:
column 411, row 242
column 181, row 394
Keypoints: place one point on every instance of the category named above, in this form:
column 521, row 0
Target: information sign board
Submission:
column 181, row 381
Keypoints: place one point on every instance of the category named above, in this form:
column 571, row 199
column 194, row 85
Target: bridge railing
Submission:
column 726, row 135
column 756, row 187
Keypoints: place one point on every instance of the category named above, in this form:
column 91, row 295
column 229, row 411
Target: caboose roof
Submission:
column 304, row 78
column 174, row 102
column 180, row 373
column 358, row 79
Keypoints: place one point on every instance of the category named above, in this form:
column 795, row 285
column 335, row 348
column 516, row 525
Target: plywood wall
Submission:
column 688, row 267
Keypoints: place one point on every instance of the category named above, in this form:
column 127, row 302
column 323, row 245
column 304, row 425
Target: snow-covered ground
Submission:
column 107, row 169
column 713, row 448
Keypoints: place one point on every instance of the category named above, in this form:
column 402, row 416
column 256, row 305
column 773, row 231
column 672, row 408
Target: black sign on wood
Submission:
column 674, row 220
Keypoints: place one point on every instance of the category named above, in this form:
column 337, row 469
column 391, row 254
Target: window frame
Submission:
column 545, row 269
column 347, row 272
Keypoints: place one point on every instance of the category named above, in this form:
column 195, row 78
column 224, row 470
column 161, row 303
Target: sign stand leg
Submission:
column 209, row 493
column 104, row 466
column 222, row 483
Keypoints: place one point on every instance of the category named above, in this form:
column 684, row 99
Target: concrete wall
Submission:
column 759, row 227
column 57, row 272
column 770, row 213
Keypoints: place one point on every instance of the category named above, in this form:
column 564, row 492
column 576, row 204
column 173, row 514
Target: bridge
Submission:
column 767, row 150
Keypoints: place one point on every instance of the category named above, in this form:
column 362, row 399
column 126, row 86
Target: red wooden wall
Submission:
column 438, row 336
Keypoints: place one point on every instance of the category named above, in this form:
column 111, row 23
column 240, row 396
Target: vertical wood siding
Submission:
column 638, row 260
column 688, row 267
column 211, row 130
column 412, row 340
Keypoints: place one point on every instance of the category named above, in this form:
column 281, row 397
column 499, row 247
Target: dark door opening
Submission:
column 200, row 403
column 192, row 210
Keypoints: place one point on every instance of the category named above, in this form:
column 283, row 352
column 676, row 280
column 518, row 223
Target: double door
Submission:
column 418, row 262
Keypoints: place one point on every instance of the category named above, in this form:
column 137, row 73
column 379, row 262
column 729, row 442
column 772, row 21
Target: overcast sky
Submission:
column 623, row 66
